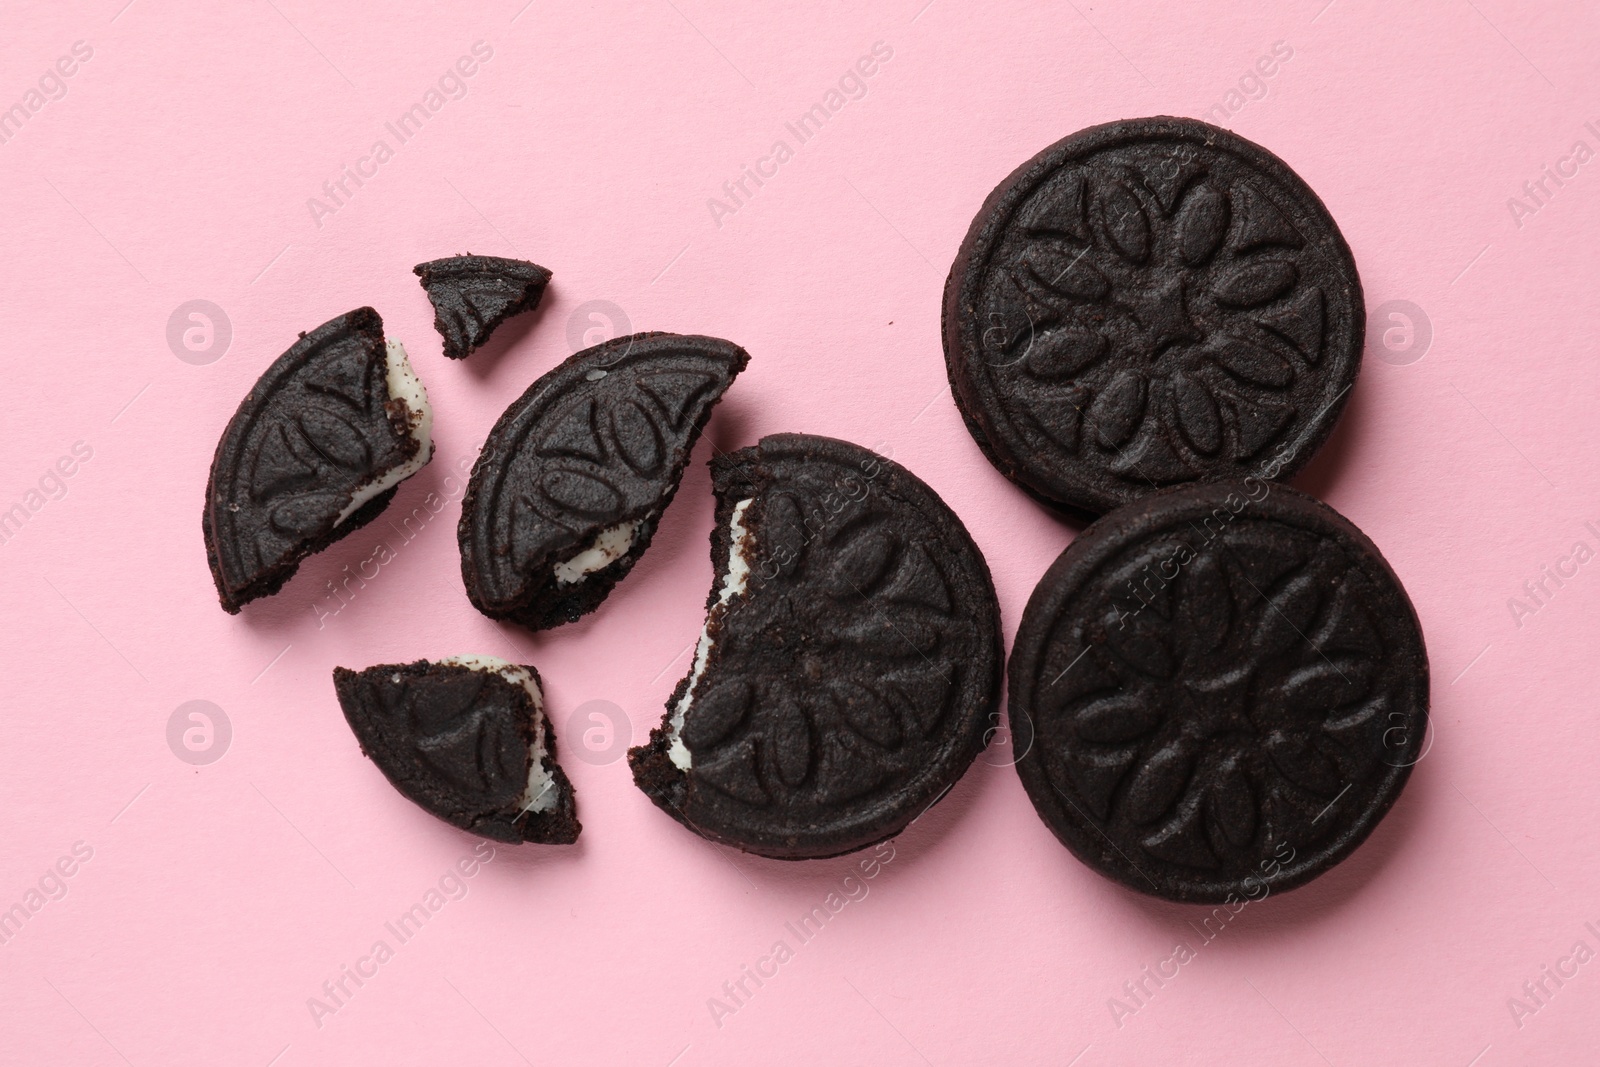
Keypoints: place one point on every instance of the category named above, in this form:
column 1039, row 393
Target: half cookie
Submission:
column 1225, row 688
column 850, row 661
column 314, row 452
column 465, row 739
column 574, row 477
column 473, row 295
column 1149, row 303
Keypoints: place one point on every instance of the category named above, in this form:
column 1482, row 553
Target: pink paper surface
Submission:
column 176, row 164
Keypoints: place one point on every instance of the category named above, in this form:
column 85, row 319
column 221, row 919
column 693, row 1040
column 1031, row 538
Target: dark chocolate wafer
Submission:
column 575, row 476
column 465, row 739
column 1218, row 691
column 1150, row 303
column 850, row 661
column 473, row 295
column 313, row 453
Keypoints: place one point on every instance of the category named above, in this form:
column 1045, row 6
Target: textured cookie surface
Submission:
column 1218, row 692
column 466, row 740
column 574, row 477
column 1150, row 303
column 312, row 454
column 473, row 295
column 850, row 663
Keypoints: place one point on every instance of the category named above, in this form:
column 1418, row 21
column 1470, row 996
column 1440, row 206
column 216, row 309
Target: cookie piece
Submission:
column 314, row 453
column 1150, row 303
column 850, row 660
column 1218, row 692
column 465, row 739
column 566, row 494
column 473, row 295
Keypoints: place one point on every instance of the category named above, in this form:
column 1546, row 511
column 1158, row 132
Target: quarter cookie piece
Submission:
column 1218, row 692
column 314, row 453
column 465, row 739
column 473, row 295
column 850, row 661
column 1150, row 303
column 575, row 476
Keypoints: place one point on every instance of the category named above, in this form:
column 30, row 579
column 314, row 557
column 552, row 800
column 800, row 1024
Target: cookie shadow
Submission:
column 1070, row 520
column 937, row 829
column 805, row 881
column 521, row 859
column 331, row 582
column 729, row 428
column 1320, row 476
column 530, row 857
column 482, row 363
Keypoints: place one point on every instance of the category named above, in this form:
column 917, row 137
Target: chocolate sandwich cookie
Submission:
column 850, row 660
column 465, row 739
column 314, row 453
column 1149, row 303
column 1218, row 691
column 574, row 477
column 473, row 295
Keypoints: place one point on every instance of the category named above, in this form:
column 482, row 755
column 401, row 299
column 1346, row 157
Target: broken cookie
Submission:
column 473, row 295
column 467, row 740
column 313, row 453
column 573, row 479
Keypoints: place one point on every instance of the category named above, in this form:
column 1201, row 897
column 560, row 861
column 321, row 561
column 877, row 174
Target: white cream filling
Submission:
column 403, row 385
column 733, row 583
column 610, row 545
column 541, row 794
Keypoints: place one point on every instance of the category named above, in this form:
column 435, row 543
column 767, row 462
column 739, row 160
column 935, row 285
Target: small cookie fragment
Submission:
column 1218, row 692
column 1150, row 303
column 473, row 295
column 575, row 475
column 465, row 739
column 850, row 661
column 313, row 453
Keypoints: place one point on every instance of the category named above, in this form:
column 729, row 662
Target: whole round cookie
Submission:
column 1150, row 303
column 850, row 662
column 1218, row 692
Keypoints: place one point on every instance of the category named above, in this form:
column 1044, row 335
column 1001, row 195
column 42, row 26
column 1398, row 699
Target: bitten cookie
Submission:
column 850, row 661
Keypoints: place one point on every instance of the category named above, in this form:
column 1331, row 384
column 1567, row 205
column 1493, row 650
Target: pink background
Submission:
column 219, row 898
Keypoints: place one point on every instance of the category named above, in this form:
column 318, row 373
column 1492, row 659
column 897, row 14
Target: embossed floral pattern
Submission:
column 317, row 426
column 461, row 742
column 1148, row 303
column 813, row 722
column 306, row 466
column 598, row 442
column 473, row 295
column 1164, row 332
column 1228, row 707
column 849, row 682
column 471, row 741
